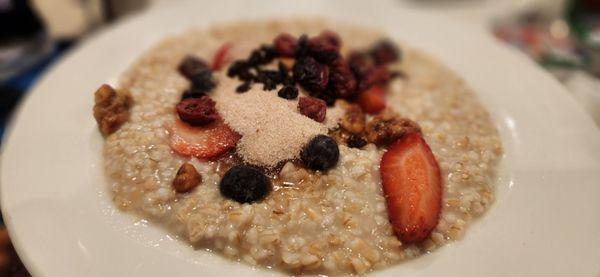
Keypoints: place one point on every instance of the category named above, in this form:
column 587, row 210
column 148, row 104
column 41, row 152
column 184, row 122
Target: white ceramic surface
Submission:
column 545, row 222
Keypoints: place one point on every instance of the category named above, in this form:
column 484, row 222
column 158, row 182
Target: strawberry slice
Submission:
column 412, row 186
column 372, row 100
column 221, row 57
column 203, row 142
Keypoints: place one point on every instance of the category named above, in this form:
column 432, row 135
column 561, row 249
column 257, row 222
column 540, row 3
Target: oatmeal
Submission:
column 218, row 149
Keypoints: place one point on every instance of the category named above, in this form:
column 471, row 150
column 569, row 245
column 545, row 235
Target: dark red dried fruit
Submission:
column 376, row 76
column 197, row 111
column 342, row 79
column 191, row 65
column 221, row 57
column 360, row 63
column 202, row 82
column 191, row 94
column 310, row 74
column 285, row 45
column 325, row 47
column 313, row 108
column 288, row 92
column 385, row 52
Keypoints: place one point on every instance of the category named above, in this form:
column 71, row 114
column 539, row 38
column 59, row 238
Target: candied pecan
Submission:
column 342, row 79
column 197, row 111
column 187, row 178
column 387, row 127
column 354, row 119
column 111, row 109
column 312, row 107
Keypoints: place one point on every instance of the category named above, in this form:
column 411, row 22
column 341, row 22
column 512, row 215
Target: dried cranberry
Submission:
column 359, row 63
column 245, row 86
column 313, row 108
column 191, row 65
column 342, row 79
column 379, row 76
column 285, row 45
column 312, row 75
column 302, row 47
column 191, row 94
column 288, row 92
column 197, row 111
column 202, row 82
column 325, row 47
column 385, row 52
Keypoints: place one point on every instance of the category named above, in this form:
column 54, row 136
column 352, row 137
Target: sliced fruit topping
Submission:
column 372, row 100
column 412, row 186
column 221, row 57
column 187, row 178
column 203, row 142
column 244, row 184
column 321, row 153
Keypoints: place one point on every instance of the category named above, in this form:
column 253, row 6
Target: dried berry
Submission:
column 221, row 57
column 360, row 63
column 236, row 68
column 376, row 76
column 302, row 47
column 244, row 184
column 285, row 45
column 191, row 94
column 325, row 47
column 197, row 111
column 202, row 82
column 288, row 92
column 356, row 141
column 385, row 52
column 310, row 74
column 186, row 179
column 342, row 79
column 321, row 153
column 191, row 65
column 263, row 55
column 245, row 86
column 313, row 108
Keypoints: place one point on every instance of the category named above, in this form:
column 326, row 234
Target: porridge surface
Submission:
column 311, row 223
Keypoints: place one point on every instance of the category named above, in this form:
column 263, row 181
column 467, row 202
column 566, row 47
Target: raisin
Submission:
column 313, row 108
column 288, row 92
column 302, row 47
column 310, row 74
column 191, row 94
column 197, row 111
column 325, row 47
column 356, row 141
column 342, row 79
column 376, row 76
column 245, row 86
column 360, row 63
column 285, row 45
column 202, row 82
column 186, row 179
column 191, row 65
column 236, row 68
column 384, row 52
column 263, row 55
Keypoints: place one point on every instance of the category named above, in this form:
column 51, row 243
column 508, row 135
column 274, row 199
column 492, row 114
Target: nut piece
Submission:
column 387, row 127
column 187, row 178
column 353, row 120
column 111, row 109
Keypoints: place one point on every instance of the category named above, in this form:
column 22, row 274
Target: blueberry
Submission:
column 288, row 92
column 321, row 153
column 244, row 184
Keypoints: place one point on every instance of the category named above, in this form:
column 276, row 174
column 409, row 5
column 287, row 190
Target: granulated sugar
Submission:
column 272, row 129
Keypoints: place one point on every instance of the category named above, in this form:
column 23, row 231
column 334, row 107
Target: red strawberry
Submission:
column 221, row 57
column 203, row 142
column 412, row 186
column 372, row 100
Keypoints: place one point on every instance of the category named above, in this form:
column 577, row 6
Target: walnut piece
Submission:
column 111, row 109
column 388, row 127
column 187, row 178
column 354, row 119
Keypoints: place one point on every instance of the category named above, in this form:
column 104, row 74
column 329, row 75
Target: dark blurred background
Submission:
column 563, row 36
